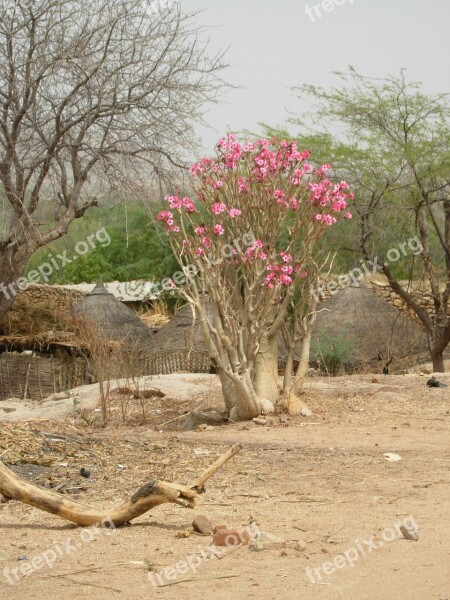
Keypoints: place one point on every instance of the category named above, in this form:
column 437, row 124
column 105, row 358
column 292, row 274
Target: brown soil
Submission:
column 316, row 487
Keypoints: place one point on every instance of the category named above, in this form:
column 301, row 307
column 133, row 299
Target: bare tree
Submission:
column 394, row 149
column 91, row 91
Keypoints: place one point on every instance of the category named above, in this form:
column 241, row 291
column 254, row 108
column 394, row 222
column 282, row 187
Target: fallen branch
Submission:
column 147, row 497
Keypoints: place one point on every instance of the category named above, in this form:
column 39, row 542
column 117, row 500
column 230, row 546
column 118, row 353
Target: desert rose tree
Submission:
column 248, row 247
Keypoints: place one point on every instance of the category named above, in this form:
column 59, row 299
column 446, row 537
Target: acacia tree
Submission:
column 91, row 91
column 261, row 210
column 394, row 149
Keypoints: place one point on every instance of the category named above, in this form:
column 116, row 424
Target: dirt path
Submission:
column 319, row 489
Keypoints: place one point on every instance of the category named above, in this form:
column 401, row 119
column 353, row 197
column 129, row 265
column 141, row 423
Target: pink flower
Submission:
column 200, row 230
column 219, row 183
column 219, row 230
column 287, row 258
column 218, row 208
column 188, row 205
column 206, row 242
column 234, row 212
column 284, row 280
column 243, row 186
column 200, row 252
column 348, row 215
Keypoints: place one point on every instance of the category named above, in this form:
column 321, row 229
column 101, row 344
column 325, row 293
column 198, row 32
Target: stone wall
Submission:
column 47, row 295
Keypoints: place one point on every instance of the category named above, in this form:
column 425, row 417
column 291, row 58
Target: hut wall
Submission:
column 36, row 378
column 165, row 363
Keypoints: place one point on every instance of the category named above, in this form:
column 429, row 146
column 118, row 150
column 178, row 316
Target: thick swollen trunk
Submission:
column 266, row 371
column 303, row 366
column 240, row 397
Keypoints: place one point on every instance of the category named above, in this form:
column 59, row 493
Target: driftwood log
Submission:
column 152, row 494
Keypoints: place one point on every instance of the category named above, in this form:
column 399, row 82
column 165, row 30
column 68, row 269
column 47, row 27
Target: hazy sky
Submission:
column 274, row 45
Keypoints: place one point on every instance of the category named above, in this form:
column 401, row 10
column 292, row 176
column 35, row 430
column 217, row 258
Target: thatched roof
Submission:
column 113, row 320
column 367, row 326
column 181, row 333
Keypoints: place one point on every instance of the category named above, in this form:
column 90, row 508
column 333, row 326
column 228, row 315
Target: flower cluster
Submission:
column 267, row 186
column 281, row 272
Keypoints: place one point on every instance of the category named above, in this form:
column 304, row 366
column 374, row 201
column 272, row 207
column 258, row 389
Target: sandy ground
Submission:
column 319, row 490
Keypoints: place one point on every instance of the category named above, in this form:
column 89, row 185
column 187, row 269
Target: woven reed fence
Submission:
column 165, row 363
column 36, row 378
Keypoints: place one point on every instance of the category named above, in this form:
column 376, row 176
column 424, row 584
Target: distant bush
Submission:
column 332, row 352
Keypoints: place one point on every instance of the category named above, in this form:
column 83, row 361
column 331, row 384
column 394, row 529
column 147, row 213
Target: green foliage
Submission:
column 332, row 351
column 137, row 249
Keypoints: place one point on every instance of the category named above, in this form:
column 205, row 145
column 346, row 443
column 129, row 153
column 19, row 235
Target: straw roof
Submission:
column 113, row 320
column 369, row 327
column 181, row 333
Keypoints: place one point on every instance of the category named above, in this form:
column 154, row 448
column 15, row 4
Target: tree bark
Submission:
column 11, row 268
column 266, row 371
column 240, row 397
column 303, row 366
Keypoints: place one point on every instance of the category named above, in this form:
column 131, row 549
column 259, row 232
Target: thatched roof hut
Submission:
column 113, row 320
column 361, row 328
column 181, row 333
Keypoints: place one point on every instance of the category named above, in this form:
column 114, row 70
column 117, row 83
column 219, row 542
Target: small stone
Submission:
column 256, row 545
column 219, row 528
column 8, row 409
column 306, row 412
column 202, row 524
column 409, row 533
column 85, row 473
column 284, row 418
column 231, row 538
column 260, row 421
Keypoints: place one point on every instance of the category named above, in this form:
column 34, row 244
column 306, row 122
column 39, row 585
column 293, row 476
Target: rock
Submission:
column 409, row 533
column 85, row 473
column 306, row 412
column 256, row 545
column 260, row 421
column 296, row 405
column 284, row 419
column 202, row 524
column 196, row 418
column 433, row 382
column 219, row 528
column 151, row 393
column 8, row 409
column 375, row 380
column 391, row 457
column 231, row 538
